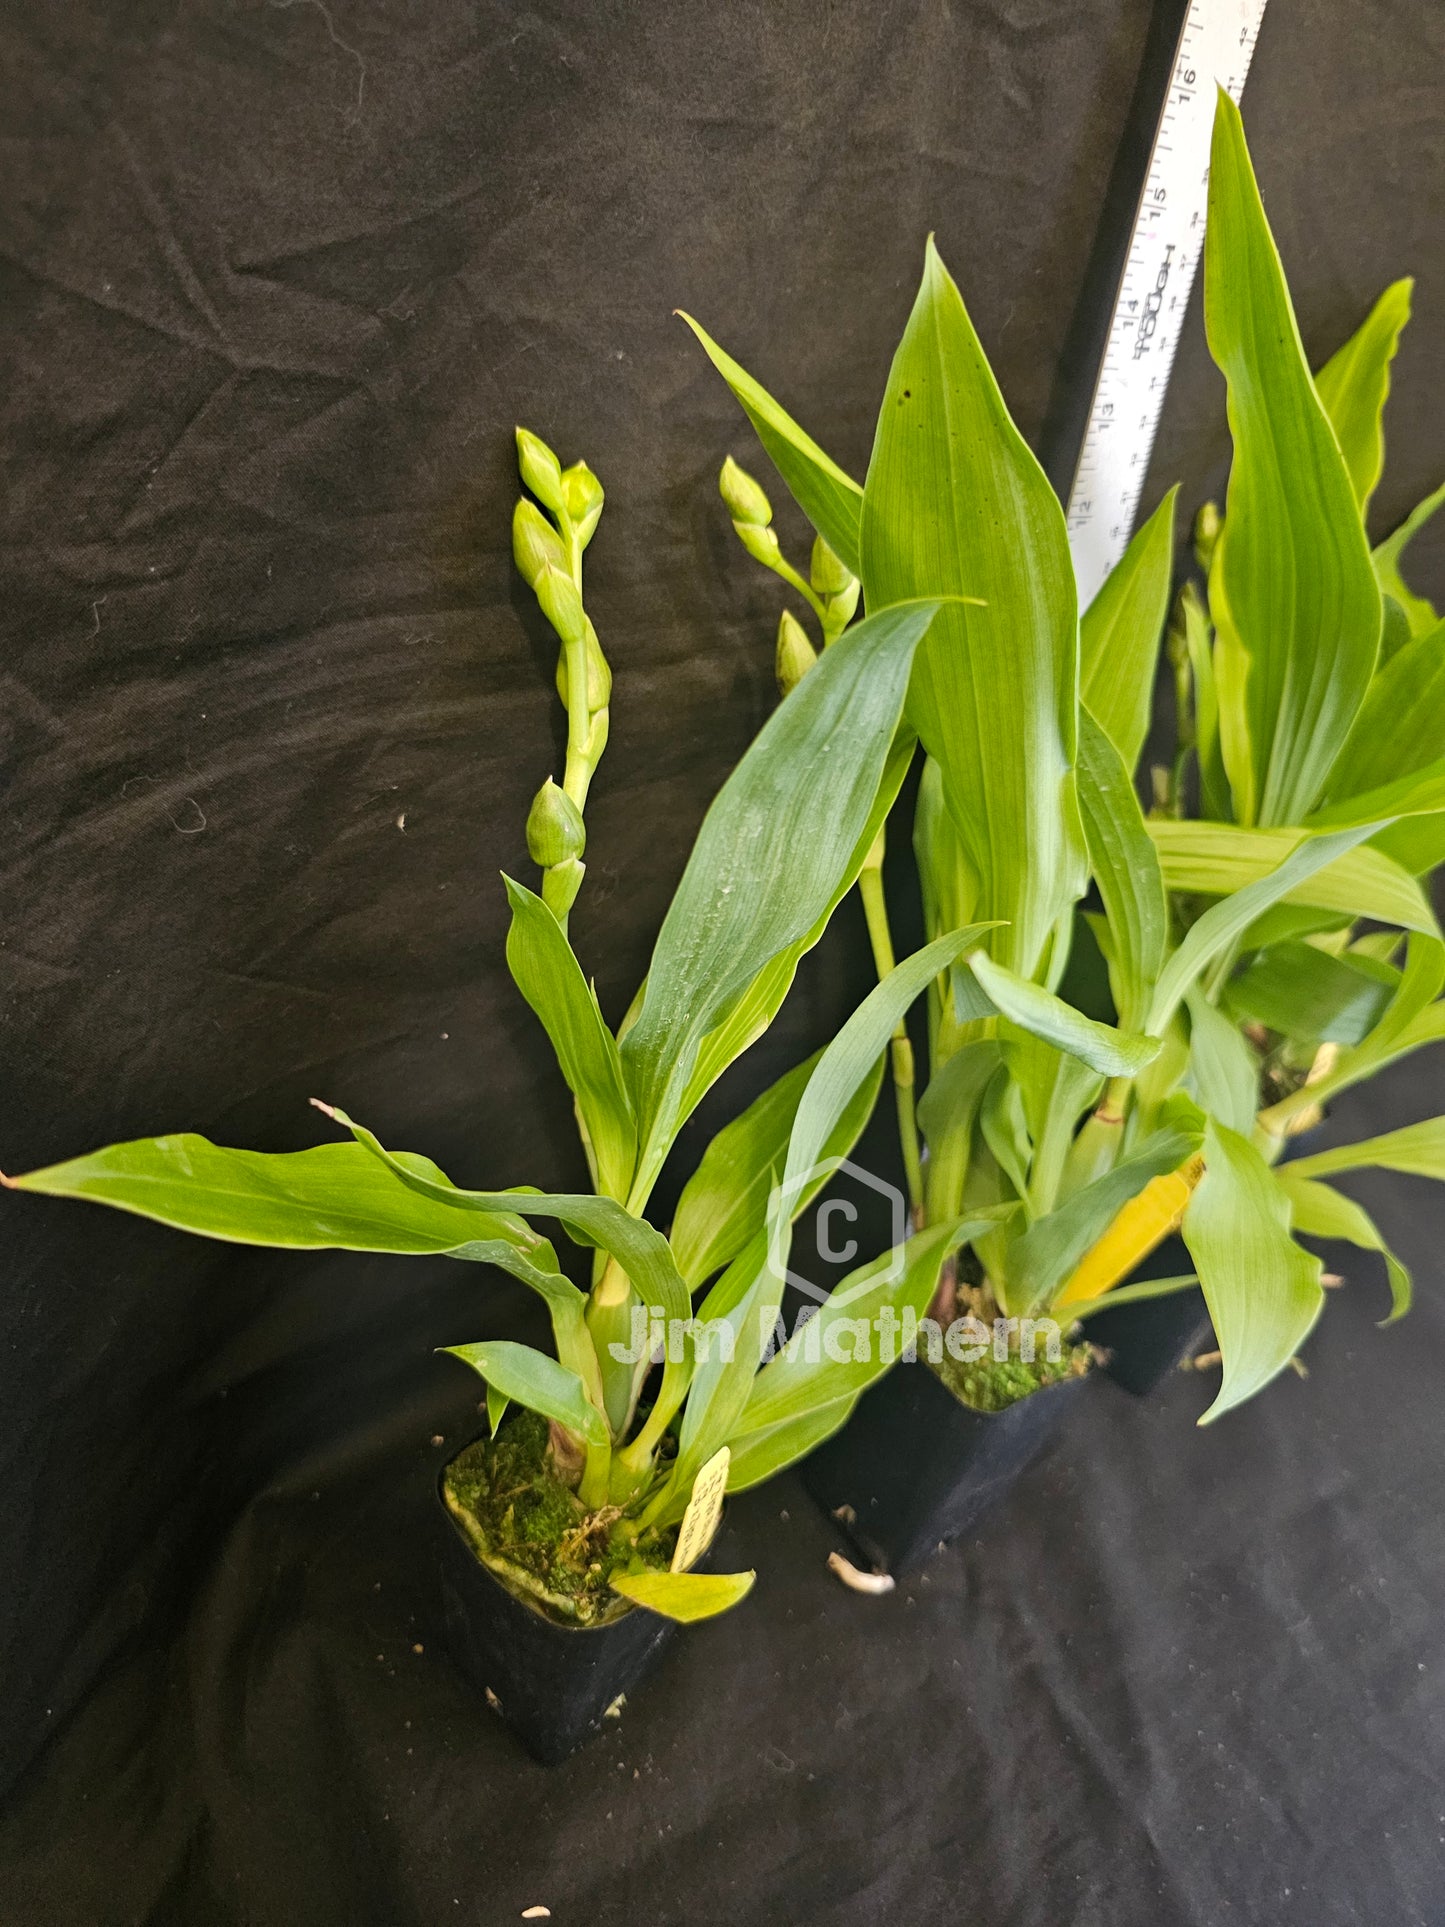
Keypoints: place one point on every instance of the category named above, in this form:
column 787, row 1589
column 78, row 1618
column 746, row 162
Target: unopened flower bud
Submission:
column 599, row 676
column 561, row 604
column 796, row 655
column 541, row 471
column 555, row 830
column 582, row 492
column 760, row 543
column 841, row 608
column 536, row 545
column 1207, row 526
column 561, row 884
column 746, row 502
column 826, row 573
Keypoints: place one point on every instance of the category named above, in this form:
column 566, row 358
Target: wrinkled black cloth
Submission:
column 278, row 279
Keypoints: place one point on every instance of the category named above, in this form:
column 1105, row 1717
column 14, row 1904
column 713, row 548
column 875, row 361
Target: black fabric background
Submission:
column 278, row 279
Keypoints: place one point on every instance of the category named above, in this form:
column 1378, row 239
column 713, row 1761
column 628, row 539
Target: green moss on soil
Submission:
column 534, row 1533
column 989, row 1384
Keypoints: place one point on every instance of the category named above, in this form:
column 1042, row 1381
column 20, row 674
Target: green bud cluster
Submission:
column 830, row 589
column 548, row 549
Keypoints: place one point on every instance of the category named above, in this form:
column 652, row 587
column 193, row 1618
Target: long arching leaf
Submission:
column 1292, row 590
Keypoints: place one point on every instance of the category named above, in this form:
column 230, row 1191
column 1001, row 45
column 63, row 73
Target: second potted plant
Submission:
column 1242, row 992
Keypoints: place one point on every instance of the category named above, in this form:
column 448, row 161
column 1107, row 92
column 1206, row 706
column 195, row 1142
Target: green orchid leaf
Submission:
column 1004, row 1129
column 530, row 1378
column 684, row 1596
column 1402, row 722
column 1130, row 1295
column 638, row 1247
column 497, row 1403
column 1395, row 633
column 841, row 1350
column 1223, row 1070
column 1292, row 591
column 1214, row 797
column 1420, row 615
column 852, row 1054
column 949, row 891
column 1418, row 1149
column 1110, row 1052
column 640, row 1250
column 1421, row 793
column 1223, row 923
column 1354, row 385
column 1284, row 922
column 946, row 1116
column 1397, row 736
column 550, row 978
column 770, row 857
column 757, row 1456
column 1319, row 1211
column 1262, row 1290
column 750, row 1291
column 955, row 504
column 1303, row 992
column 333, row 1196
column 1411, row 1020
column 830, row 499
column 1221, row 859
column 1055, row 1088
column 956, row 1089
column 1120, row 631
column 1126, row 869
column 726, row 1199
column 1365, row 1060
column 763, row 998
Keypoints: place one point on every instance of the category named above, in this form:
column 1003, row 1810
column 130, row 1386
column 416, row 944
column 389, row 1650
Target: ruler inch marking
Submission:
column 1216, row 41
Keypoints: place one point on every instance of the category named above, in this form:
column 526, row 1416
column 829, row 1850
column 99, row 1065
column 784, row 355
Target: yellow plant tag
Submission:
column 704, row 1509
column 1145, row 1221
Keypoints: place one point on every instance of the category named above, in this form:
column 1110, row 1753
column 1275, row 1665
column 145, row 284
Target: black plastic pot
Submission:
column 915, row 1467
column 551, row 1683
column 1148, row 1340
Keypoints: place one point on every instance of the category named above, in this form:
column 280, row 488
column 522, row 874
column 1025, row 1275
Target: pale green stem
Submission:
column 804, row 588
column 592, row 1489
column 875, row 910
column 1185, row 730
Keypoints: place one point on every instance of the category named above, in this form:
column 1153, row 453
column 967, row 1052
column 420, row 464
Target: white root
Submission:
column 869, row 1582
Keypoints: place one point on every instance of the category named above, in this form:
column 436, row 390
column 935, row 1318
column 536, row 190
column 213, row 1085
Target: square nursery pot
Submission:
column 552, row 1683
column 1149, row 1340
column 915, row 1467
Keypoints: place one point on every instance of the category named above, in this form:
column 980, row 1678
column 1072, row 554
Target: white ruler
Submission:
column 1215, row 46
